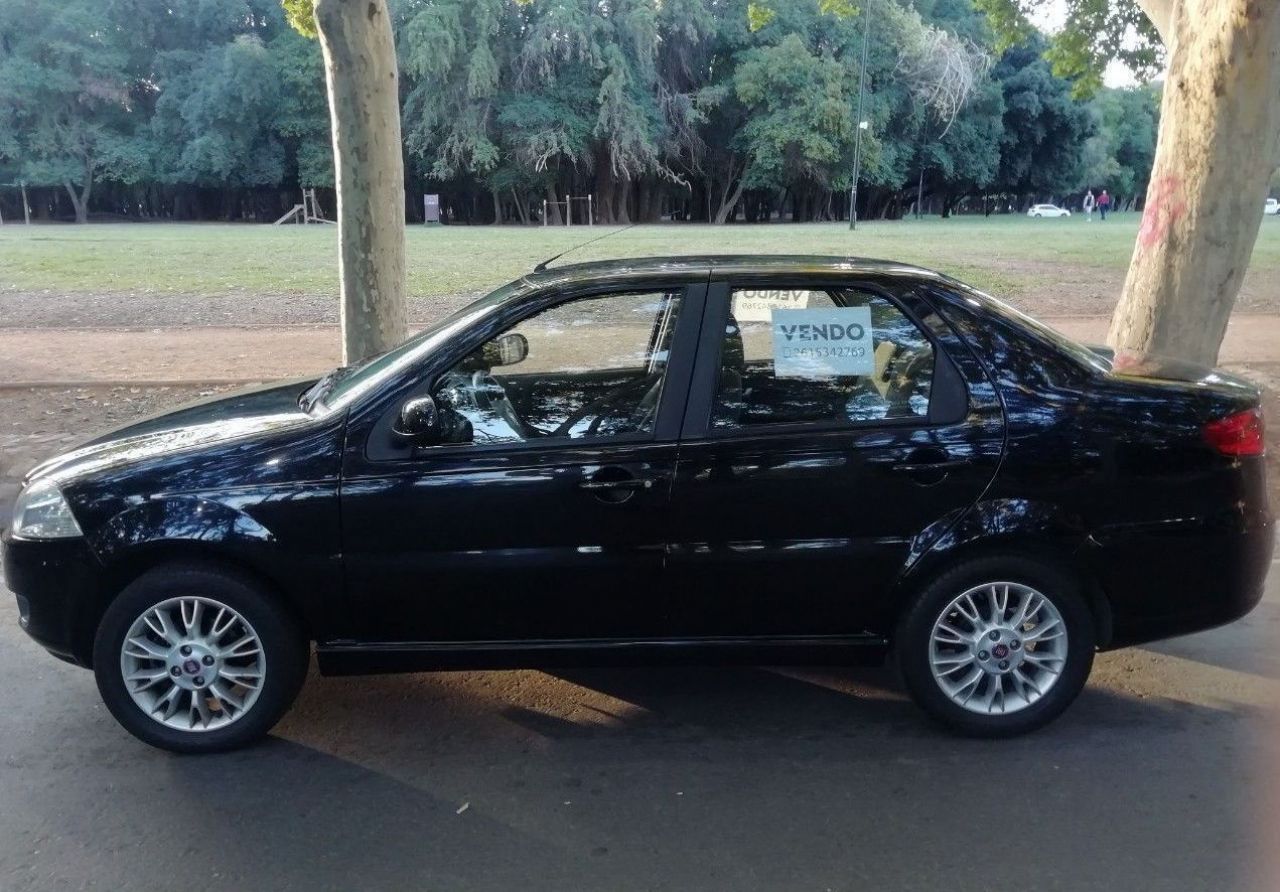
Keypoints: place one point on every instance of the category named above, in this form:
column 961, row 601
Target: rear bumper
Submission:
column 54, row 581
column 1175, row 578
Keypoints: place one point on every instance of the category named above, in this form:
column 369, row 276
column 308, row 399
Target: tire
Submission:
column 234, row 708
column 930, row 664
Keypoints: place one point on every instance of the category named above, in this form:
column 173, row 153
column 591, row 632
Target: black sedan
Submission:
column 775, row 460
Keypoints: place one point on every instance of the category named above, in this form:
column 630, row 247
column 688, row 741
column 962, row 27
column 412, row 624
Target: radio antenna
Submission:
column 543, row 265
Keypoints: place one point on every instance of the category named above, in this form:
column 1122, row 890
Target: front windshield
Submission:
column 341, row 386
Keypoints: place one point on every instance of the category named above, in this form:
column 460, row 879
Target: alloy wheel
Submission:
column 998, row 648
column 193, row 664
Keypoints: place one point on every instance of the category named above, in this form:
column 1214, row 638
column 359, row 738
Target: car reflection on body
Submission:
column 724, row 459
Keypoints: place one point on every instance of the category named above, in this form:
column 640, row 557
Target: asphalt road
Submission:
column 1161, row 777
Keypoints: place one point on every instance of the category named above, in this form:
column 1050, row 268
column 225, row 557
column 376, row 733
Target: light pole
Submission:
column 862, row 125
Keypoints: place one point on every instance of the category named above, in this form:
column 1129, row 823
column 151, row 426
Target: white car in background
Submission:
column 1272, row 207
column 1047, row 210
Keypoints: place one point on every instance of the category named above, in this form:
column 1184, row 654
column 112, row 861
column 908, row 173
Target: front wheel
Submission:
column 997, row 646
column 194, row 658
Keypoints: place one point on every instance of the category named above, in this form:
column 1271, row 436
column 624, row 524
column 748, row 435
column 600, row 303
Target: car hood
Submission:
column 206, row 423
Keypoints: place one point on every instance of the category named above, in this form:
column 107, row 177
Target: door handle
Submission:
column 945, row 464
column 615, row 485
column 627, row 483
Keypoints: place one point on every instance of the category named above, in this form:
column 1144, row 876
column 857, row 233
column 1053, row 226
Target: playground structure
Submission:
column 567, row 204
column 307, row 212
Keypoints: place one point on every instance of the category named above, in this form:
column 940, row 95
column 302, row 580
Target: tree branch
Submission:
column 1161, row 14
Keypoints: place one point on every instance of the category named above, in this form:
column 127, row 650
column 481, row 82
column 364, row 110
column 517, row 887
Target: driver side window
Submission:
column 586, row 368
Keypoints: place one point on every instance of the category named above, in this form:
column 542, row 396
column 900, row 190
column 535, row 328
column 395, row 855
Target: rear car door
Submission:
column 832, row 430
column 542, row 516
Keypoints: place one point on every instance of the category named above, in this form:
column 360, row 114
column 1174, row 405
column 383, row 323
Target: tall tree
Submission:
column 364, row 103
column 67, row 92
column 301, row 118
column 215, row 115
column 1119, row 155
column 1041, row 152
column 1218, row 146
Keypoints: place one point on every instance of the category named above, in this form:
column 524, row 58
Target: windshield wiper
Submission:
column 312, row 395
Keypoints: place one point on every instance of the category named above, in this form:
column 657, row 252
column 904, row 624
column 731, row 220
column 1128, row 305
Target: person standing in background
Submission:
column 1089, row 202
column 1104, row 204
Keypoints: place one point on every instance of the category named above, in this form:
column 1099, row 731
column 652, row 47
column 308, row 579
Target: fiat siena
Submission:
column 776, row 460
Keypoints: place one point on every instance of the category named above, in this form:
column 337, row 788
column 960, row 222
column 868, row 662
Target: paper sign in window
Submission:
column 756, row 305
column 823, row 343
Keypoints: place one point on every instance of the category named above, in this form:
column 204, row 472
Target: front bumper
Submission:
column 55, row 583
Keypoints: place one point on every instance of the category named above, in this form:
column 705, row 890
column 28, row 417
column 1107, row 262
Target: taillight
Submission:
column 1238, row 434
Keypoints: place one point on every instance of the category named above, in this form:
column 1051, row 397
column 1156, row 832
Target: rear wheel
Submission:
column 194, row 658
column 997, row 646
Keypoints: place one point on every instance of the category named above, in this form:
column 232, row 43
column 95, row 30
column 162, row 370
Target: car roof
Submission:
column 638, row 268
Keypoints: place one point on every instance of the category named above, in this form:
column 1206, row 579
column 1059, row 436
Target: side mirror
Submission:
column 506, row 350
column 419, row 421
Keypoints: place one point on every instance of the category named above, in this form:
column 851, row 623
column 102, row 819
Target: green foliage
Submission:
column 301, row 15
column 798, row 119
column 218, row 111
column 759, row 15
column 1095, row 32
column 700, row 102
column 70, row 99
column 216, row 93
column 1044, row 127
column 1119, row 155
column 301, row 116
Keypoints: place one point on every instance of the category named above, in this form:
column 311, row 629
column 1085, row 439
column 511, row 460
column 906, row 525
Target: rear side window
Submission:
column 842, row 357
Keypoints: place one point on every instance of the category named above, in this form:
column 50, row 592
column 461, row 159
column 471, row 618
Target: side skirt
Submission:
column 357, row 658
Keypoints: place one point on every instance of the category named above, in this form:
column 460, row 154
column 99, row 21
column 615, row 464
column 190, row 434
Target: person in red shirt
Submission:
column 1104, row 204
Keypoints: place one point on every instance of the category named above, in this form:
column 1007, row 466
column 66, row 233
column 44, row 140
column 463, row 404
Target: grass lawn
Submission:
column 1005, row 255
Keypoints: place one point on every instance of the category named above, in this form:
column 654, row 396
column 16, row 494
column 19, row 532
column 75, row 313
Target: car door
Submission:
column 831, row 429
column 542, row 514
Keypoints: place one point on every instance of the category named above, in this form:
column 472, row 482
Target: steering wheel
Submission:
column 598, row 406
column 491, row 396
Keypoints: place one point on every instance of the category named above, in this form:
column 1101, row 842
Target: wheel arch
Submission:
column 129, row 565
column 1064, row 552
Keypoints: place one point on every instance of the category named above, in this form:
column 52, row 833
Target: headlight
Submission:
column 42, row 513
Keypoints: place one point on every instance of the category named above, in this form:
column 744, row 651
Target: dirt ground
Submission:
column 39, row 422
column 1043, row 289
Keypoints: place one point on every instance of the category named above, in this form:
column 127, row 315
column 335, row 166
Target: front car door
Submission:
column 541, row 515
column 832, row 428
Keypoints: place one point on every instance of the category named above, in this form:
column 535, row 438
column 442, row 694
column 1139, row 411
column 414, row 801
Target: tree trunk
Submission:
column 1219, row 143
column 520, row 209
column 364, row 107
column 553, row 209
column 606, row 187
column 728, row 201
column 80, row 200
